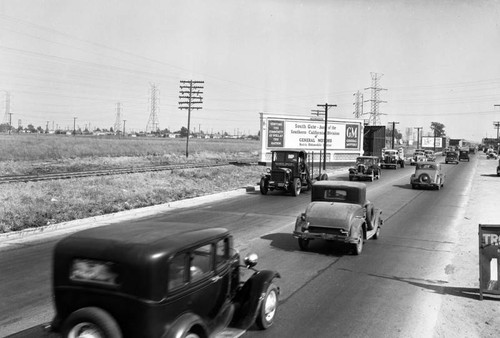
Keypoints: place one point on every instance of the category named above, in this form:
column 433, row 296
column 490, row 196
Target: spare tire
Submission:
column 424, row 178
column 370, row 216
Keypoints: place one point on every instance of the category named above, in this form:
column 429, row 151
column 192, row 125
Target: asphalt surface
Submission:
column 393, row 289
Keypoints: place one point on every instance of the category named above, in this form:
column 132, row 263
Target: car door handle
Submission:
column 216, row 278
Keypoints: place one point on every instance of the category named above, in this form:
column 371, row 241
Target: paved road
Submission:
column 387, row 291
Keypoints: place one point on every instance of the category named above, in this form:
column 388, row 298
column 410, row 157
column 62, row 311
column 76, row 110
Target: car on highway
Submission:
column 289, row 172
column 427, row 174
column 451, row 156
column 157, row 279
column 418, row 156
column 464, row 155
column 366, row 167
column 392, row 158
column 429, row 154
column 339, row 211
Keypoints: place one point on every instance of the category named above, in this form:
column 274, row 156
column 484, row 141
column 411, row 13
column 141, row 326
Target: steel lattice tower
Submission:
column 153, row 123
column 118, row 121
column 374, row 119
column 6, row 117
column 358, row 104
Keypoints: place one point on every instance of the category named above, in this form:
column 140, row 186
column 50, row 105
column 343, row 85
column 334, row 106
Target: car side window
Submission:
column 201, row 262
column 177, row 275
column 221, row 252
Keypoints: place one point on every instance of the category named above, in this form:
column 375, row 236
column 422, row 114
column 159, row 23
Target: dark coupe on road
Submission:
column 157, row 280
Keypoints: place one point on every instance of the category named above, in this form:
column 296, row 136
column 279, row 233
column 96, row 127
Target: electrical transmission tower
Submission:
column 118, row 121
column 153, row 123
column 191, row 94
column 374, row 119
column 358, row 104
column 6, row 117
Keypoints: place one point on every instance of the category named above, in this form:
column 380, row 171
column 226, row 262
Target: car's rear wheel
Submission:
column 377, row 233
column 268, row 307
column 91, row 322
column 372, row 177
column 303, row 244
column 264, row 186
column 357, row 248
column 379, row 174
column 297, row 186
column 424, row 178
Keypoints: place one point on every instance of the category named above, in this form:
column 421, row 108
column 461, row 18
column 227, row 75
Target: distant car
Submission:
column 157, row 280
column 367, row 167
column 429, row 154
column 289, row 172
column 463, row 155
column 392, row 159
column 339, row 211
column 427, row 174
column 418, row 156
column 451, row 156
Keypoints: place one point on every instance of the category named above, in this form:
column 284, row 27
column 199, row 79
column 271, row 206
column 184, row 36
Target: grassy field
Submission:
column 35, row 204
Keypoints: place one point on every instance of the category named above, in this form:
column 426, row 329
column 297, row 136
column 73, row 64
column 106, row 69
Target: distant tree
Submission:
column 4, row 127
column 397, row 134
column 438, row 129
column 40, row 130
column 183, row 132
column 31, row 128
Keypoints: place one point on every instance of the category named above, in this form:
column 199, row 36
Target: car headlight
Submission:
column 87, row 270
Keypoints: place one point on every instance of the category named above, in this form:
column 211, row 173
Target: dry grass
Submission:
column 35, row 204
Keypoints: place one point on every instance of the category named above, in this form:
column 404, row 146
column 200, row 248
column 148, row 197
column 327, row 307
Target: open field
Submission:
column 34, row 204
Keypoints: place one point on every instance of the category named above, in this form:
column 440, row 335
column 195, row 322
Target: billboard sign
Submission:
column 489, row 259
column 428, row 142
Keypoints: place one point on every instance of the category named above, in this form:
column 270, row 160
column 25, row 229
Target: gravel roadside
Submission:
column 462, row 314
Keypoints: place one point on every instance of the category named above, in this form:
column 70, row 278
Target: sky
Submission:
column 64, row 62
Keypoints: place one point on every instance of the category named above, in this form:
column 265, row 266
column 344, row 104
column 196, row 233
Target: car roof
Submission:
column 150, row 236
column 295, row 150
column 427, row 165
column 340, row 184
column 371, row 157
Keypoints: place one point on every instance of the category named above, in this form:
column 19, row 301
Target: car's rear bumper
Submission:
column 325, row 236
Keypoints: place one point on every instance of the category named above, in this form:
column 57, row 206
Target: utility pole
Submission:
column 317, row 112
column 118, row 118
column 74, row 126
column 124, row 127
column 418, row 136
column 10, row 121
column 325, row 106
column 393, row 131
column 191, row 93
column 374, row 119
column 47, row 127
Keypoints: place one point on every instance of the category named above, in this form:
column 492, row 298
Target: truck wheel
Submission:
column 267, row 309
column 372, row 177
column 91, row 322
column 379, row 174
column 402, row 164
column 264, row 186
column 297, row 186
column 358, row 247
column 303, row 244
column 377, row 233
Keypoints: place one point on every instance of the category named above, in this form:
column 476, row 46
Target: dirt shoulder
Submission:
column 462, row 314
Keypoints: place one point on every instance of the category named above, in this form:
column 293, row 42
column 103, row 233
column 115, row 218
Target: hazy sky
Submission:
column 440, row 61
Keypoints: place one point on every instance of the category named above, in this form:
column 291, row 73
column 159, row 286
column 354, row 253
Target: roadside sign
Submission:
column 489, row 259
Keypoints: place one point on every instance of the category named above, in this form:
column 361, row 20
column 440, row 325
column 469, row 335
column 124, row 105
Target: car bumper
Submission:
column 325, row 236
column 432, row 184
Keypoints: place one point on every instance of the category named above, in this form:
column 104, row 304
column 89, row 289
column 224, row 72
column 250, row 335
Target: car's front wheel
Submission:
column 91, row 322
column 297, row 186
column 303, row 244
column 264, row 186
column 268, row 307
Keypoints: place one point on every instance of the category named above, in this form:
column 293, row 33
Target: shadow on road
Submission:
column 489, row 175
column 286, row 242
column 435, row 286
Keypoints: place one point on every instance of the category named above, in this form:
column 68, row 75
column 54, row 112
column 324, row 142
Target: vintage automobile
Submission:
column 289, row 172
column 392, row 159
column 339, row 211
column 418, row 156
column 464, row 155
column 427, row 174
column 429, row 154
column 451, row 156
column 367, row 167
column 157, row 279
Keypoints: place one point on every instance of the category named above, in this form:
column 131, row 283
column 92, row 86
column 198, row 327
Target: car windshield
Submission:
column 390, row 152
column 450, row 153
column 285, row 157
column 365, row 161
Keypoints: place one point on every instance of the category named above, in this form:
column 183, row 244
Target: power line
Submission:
column 191, row 93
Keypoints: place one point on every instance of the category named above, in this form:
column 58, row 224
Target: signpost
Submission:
column 489, row 259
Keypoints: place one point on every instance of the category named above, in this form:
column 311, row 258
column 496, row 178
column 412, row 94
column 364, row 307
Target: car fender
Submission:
column 358, row 224
column 250, row 296
column 181, row 326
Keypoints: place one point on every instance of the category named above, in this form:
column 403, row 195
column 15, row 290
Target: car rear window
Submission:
column 335, row 195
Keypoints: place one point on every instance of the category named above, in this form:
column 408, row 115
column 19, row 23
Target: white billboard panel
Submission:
column 428, row 142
